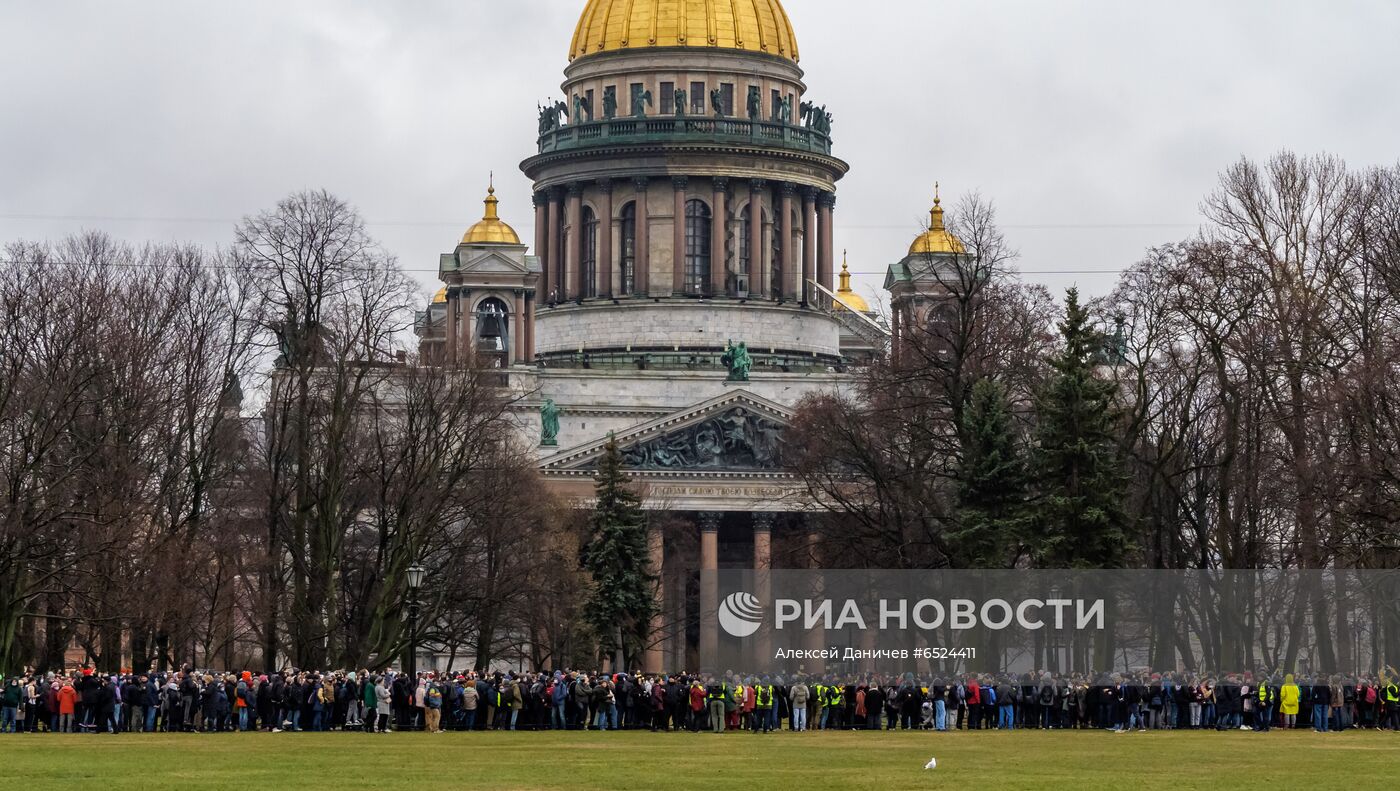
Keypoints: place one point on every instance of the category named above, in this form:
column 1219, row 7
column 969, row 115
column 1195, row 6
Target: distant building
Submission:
column 684, row 199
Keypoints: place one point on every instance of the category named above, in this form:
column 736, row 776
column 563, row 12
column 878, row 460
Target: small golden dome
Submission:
column 937, row 239
column 440, row 298
column 750, row 25
column 845, row 297
column 490, row 230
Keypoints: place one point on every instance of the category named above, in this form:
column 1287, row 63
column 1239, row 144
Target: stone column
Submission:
column 826, row 254
column 541, row 200
column 655, row 653
column 679, row 628
column 465, row 328
column 530, row 299
column 450, row 350
column 758, row 281
column 573, row 256
column 719, row 237
column 518, row 334
column 763, row 581
column 895, row 329
column 867, row 645
column 678, row 184
column 906, row 324
column 816, row 636
column 604, row 282
column 553, row 281
column 809, row 243
column 709, row 586
column 642, row 277
column 785, row 222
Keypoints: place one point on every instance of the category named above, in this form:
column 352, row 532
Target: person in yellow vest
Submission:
column 1264, row 711
column 819, row 702
column 1289, row 697
column 835, row 707
column 763, row 706
column 715, row 694
column 1390, row 695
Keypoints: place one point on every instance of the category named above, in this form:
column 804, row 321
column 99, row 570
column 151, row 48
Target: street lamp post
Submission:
column 415, row 581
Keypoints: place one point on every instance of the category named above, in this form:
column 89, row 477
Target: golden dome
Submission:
column 937, row 239
column 844, row 295
column 750, row 25
column 440, row 298
column 490, row 230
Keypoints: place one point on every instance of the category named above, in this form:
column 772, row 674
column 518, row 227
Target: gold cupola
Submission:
column 844, row 295
column 937, row 239
column 490, row 230
column 750, row 25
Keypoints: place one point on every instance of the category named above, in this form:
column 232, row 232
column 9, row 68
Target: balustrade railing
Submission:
column 683, row 129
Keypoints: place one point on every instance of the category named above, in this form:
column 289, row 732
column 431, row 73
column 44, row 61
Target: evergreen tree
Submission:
column 993, row 484
column 622, row 601
column 1081, row 474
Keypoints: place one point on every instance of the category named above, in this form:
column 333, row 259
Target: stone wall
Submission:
column 685, row 324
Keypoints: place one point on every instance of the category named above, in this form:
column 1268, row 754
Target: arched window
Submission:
column 589, row 264
column 558, row 288
column 697, row 246
column 745, row 237
column 492, row 337
column 628, row 262
column 775, row 284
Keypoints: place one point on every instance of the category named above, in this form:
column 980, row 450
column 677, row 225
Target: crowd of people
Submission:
column 292, row 700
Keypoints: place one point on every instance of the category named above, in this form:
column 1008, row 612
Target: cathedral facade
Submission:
column 680, row 293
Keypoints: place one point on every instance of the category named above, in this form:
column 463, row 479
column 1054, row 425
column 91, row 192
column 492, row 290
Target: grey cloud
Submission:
column 1072, row 116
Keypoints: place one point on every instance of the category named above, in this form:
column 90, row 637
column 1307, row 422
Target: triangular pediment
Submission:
column 735, row 431
column 491, row 262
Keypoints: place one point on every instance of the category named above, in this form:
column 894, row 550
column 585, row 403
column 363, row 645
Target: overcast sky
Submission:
column 1095, row 127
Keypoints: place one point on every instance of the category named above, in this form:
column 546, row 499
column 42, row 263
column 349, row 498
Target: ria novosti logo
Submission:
column 741, row 614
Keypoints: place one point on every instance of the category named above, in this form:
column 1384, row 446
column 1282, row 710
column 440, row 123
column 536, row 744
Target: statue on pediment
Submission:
column 736, row 440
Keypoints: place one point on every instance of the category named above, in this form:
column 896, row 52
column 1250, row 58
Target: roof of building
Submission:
column 749, row 25
column 937, row 239
column 844, row 295
column 490, row 230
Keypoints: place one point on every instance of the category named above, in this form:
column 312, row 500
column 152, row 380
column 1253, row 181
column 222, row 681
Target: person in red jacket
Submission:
column 697, row 705
column 974, row 705
column 67, row 703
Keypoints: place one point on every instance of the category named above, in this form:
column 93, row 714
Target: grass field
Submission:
column 620, row 761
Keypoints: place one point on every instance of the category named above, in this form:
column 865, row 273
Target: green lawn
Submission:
column 621, row 761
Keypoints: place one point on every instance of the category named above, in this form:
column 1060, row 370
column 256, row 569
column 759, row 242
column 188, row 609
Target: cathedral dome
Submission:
column 490, row 230
column 937, row 239
column 749, row 25
column 846, row 297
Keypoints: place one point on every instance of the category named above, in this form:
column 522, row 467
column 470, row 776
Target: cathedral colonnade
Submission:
column 651, row 237
column 712, row 541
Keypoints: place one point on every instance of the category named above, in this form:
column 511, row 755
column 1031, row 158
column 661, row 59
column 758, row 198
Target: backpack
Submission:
column 1370, row 694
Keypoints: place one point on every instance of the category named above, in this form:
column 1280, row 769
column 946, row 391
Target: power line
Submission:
column 411, row 270
column 913, row 228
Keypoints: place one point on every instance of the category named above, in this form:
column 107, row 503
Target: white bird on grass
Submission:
column 932, row 764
